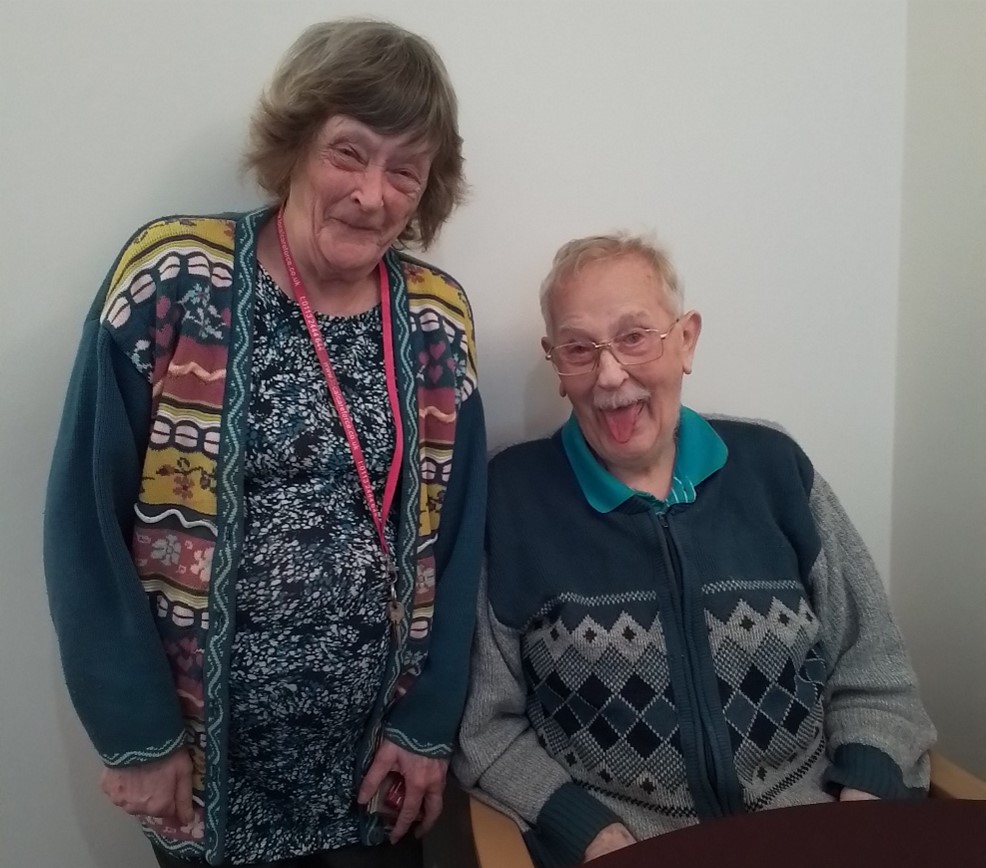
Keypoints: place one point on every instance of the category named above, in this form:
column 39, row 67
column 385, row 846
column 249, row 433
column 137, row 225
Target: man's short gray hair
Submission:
column 573, row 256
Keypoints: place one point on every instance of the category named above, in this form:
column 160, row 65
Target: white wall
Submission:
column 762, row 140
column 939, row 495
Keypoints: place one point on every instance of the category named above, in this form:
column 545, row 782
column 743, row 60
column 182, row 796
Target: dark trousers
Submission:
column 406, row 853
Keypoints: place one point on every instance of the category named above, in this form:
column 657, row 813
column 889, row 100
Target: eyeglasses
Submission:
column 633, row 347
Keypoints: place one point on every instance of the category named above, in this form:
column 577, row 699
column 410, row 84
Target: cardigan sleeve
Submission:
column 499, row 754
column 115, row 669
column 426, row 719
column 877, row 729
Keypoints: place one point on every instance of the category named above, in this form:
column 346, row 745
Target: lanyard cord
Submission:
column 377, row 513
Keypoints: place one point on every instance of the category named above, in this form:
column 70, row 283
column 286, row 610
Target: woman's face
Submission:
column 353, row 193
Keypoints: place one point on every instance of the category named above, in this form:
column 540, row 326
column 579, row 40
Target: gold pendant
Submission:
column 395, row 611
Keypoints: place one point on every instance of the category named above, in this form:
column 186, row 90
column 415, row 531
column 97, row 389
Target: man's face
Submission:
column 627, row 413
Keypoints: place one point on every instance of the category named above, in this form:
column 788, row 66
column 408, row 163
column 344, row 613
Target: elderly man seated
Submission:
column 679, row 621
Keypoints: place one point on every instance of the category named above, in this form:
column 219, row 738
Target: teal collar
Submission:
column 700, row 453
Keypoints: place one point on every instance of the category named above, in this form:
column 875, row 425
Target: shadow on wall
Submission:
column 544, row 410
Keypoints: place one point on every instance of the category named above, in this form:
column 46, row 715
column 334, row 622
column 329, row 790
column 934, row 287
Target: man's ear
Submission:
column 691, row 328
column 546, row 346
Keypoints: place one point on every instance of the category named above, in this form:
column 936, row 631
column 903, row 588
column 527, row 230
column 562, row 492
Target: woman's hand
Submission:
column 161, row 789
column 424, row 782
column 614, row 837
column 848, row 794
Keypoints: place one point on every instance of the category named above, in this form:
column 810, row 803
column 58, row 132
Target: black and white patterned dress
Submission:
column 311, row 628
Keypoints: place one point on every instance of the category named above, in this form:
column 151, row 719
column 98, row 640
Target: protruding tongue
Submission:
column 620, row 422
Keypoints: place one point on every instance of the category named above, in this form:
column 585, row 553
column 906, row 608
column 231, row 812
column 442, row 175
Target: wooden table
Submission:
column 930, row 833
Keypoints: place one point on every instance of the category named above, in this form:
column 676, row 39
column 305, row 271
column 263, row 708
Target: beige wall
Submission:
column 938, row 551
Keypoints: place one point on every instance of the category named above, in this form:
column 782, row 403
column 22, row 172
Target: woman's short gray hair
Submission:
column 572, row 257
column 381, row 75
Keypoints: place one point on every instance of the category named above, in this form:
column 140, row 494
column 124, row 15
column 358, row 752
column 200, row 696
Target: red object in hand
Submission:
column 389, row 799
column 393, row 793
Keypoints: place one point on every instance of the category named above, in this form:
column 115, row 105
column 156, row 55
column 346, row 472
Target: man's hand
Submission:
column 613, row 837
column 848, row 794
column 161, row 789
column 424, row 782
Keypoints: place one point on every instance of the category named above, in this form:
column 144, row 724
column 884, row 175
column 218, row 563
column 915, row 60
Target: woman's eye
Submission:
column 346, row 156
column 406, row 180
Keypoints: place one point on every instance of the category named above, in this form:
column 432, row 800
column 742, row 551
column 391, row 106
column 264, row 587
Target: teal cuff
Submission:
column 570, row 820
column 402, row 740
column 866, row 768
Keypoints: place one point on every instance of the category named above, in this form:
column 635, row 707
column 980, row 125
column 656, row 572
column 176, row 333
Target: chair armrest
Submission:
column 949, row 781
column 496, row 838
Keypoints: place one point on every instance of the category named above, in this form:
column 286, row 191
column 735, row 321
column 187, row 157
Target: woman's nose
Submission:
column 369, row 190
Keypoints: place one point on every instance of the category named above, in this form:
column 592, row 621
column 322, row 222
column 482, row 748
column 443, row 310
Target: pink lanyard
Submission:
column 379, row 514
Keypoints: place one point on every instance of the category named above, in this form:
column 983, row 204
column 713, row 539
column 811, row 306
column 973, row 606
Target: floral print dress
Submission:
column 311, row 628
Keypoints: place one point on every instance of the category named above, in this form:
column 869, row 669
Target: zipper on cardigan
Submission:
column 705, row 755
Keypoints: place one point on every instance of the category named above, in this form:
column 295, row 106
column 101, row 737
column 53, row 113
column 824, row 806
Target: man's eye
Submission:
column 630, row 340
column 578, row 351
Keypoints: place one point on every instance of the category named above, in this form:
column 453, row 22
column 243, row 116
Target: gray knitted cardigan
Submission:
column 660, row 667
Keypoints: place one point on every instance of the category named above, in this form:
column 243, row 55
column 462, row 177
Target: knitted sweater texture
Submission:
column 663, row 667
column 145, row 509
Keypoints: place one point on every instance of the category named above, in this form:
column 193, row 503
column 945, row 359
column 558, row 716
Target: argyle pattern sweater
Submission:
column 144, row 518
column 662, row 666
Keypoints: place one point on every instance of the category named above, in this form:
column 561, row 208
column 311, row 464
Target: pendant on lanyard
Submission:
column 395, row 608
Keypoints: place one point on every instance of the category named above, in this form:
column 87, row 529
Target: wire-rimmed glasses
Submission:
column 636, row 346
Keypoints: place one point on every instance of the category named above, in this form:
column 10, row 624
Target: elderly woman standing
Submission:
column 264, row 517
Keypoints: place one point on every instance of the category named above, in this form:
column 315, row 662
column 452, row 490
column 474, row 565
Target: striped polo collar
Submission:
column 700, row 453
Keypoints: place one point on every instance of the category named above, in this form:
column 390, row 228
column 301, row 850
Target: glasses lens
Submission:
column 574, row 358
column 638, row 346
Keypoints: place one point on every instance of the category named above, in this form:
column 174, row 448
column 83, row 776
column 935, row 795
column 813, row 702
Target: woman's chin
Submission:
column 346, row 257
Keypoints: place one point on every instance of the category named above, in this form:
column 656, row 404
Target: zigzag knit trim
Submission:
column 764, row 799
column 440, row 751
column 675, row 812
column 594, row 600
column 752, row 585
column 190, row 852
column 227, row 543
column 132, row 757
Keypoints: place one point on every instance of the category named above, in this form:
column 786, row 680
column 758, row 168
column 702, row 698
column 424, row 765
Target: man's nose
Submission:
column 610, row 374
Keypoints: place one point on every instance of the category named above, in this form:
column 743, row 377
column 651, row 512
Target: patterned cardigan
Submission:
column 661, row 664
column 145, row 511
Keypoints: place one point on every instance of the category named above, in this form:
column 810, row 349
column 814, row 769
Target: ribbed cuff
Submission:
column 570, row 820
column 866, row 768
